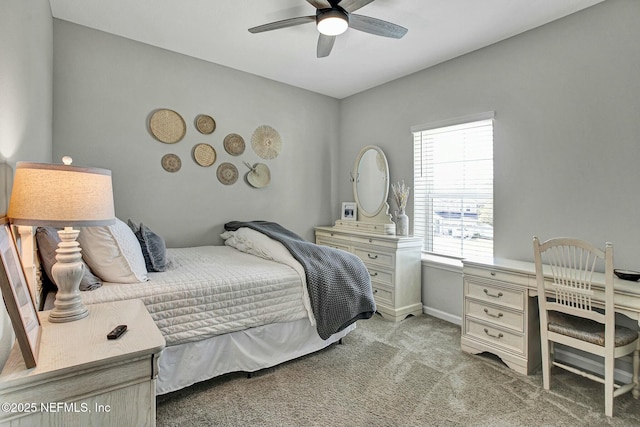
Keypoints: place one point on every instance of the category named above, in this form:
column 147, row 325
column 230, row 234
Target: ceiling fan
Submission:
column 332, row 18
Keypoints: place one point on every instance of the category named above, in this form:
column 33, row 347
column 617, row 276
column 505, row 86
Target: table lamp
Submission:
column 61, row 195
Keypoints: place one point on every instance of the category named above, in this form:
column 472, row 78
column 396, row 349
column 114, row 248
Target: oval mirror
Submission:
column 371, row 183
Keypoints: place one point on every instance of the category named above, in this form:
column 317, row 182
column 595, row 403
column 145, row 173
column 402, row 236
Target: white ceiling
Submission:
column 216, row 31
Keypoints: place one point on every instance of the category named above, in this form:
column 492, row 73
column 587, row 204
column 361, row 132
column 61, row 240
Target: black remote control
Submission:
column 117, row 331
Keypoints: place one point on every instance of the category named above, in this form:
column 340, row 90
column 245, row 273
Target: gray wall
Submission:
column 567, row 128
column 105, row 87
column 26, row 52
column 26, row 56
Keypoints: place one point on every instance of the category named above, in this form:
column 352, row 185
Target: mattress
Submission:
column 214, row 290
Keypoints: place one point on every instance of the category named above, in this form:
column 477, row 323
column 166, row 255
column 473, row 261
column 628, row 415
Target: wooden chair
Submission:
column 567, row 315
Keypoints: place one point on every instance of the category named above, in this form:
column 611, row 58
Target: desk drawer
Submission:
column 374, row 257
column 495, row 274
column 494, row 293
column 495, row 314
column 495, row 336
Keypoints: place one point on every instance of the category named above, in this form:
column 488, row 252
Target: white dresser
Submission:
column 83, row 379
column 394, row 264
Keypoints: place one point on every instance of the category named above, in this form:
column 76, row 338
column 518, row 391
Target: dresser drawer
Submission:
column 382, row 295
column 495, row 336
column 332, row 243
column 380, row 276
column 373, row 257
column 494, row 293
column 498, row 315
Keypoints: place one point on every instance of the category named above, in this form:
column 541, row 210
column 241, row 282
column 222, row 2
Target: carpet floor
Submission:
column 410, row 373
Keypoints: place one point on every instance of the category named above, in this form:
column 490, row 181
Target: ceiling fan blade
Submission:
column 320, row 4
column 376, row 26
column 291, row 22
column 325, row 44
column 353, row 5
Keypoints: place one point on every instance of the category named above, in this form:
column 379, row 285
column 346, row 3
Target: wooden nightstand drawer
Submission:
column 370, row 256
column 495, row 314
column 494, row 293
column 496, row 336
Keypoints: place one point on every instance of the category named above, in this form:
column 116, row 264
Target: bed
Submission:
column 244, row 306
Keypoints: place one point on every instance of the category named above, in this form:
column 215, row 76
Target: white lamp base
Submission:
column 67, row 273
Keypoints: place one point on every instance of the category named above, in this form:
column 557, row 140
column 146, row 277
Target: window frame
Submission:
column 421, row 194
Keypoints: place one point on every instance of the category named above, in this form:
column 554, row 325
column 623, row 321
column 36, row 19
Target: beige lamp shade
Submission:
column 61, row 196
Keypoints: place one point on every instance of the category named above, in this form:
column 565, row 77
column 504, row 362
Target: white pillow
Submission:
column 255, row 243
column 113, row 253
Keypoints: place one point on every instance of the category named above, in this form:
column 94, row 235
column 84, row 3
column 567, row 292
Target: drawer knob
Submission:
column 493, row 273
column 498, row 295
column 375, row 291
column 372, row 256
column 497, row 316
column 370, row 240
column 486, row 331
column 374, row 274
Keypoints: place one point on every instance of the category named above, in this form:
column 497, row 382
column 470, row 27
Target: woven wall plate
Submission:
column 204, row 154
column 205, row 124
column 227, row 173
column 259, row 175
column 266, row 142
column 167, row 126
column 171, row 163
column 234, row 144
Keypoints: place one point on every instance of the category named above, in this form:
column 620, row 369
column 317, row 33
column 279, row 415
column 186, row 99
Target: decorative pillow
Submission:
column 113, row 253
column 153, row 247
column 47, row 239
column 255, row 243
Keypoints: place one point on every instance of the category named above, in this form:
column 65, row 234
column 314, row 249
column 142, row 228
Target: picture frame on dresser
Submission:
column 349, row 211
column 17, row 298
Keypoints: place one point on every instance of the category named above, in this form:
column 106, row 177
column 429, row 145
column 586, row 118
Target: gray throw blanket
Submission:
column 338, row 282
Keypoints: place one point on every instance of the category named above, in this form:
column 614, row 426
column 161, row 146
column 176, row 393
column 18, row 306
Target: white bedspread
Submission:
column 213, row 290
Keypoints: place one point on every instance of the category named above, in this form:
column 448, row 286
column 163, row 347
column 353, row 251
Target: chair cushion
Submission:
column 587, row 330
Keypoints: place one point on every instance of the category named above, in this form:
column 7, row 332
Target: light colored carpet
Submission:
column 411, row 373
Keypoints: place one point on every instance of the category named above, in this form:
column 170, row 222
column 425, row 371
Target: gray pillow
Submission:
column 47, row 240
column 153, row 247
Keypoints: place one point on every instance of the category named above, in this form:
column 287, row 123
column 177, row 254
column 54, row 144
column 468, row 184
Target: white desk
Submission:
column 500, row 313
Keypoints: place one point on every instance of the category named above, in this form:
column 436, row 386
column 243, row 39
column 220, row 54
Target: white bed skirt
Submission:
column 244, row 351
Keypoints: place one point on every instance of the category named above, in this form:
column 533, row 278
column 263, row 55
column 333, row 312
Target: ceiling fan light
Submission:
column 333, row 23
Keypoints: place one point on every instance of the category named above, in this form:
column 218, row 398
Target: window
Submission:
column 453, row 186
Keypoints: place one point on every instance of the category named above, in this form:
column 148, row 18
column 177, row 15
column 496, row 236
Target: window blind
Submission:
column 453, row 188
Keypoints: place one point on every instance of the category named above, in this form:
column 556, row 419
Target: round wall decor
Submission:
column 171, row 163
column 234, row 144
column 205, row 124
column 167, row 126
column 204, row 154
column 266, row 142
column 227, row 173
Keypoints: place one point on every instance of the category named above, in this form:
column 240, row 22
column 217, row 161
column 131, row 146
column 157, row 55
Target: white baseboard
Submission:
column 442, row 315
column 623, row 369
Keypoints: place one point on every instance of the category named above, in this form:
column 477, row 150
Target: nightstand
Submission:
column 83, row 379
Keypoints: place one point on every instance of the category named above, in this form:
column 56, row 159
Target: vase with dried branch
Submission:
column 401, row 196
